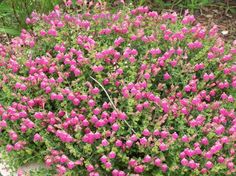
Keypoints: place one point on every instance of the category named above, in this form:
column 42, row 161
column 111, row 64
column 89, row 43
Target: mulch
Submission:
column 217, row 15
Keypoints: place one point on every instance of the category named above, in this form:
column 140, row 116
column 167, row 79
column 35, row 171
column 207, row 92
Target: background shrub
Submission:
column 13, row 13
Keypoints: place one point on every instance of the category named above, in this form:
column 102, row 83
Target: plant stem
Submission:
column 15, row 14
column 112, row 102
column 26, row 7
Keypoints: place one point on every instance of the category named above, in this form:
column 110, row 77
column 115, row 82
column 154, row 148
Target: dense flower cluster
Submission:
column 131, row 92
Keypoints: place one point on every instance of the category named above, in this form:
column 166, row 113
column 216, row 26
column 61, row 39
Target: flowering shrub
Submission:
column 131, row 92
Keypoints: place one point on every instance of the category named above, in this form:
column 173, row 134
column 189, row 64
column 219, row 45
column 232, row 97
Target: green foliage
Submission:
column 192, row 5
column 14, row 12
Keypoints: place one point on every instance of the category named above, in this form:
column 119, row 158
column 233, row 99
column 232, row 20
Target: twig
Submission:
column 112, row 102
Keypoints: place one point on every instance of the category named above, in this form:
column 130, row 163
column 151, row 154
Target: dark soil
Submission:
column 225, row 20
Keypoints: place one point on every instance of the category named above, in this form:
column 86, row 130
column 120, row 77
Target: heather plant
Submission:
column 131, row 92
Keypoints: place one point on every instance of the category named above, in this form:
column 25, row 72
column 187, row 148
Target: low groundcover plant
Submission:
column 131, row 92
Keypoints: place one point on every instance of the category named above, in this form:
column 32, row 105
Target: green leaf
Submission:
column 5, row 8
column 9, row 30
column 232, row 10
column 6, row 90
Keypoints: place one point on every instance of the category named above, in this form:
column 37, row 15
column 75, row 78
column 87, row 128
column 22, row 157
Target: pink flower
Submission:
column 39, row 115
column 115, row 172
column 192, row 164
column 158, row 162
column 95, row 91
column 91, row 103
column 37, row 137
column 133, row 138
column 166, row 76
column 115, row 127
column 118, row 41
column 187, row 88
column 164, row 134
column 129, row 143
column 112, row 155
column 208, row 155
column 118, row 143
column 122, row 116
column 219, row 130
column 143, row 141
column 185, row 139
column 70, row 164
column 43, row 32
column 105, row 143
column 48, row 162
column 97, row 69
column 164, row 167
column 224, row 139
column 209, row 164
column 206, row 77
column 156, row 133
column 9, row 148
column 139, row 107
column 230, row 165
column 146, row 132
column 175, row 135
column 90, row 168
column 103, row 159
column 139, row 169
column 184, row 162
column 52, row 32
column 3, row 124
column 204, row 141
column 163, row 147
column 77, row 72
column 108, row 165
column 147, row 159
column 132, row 162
